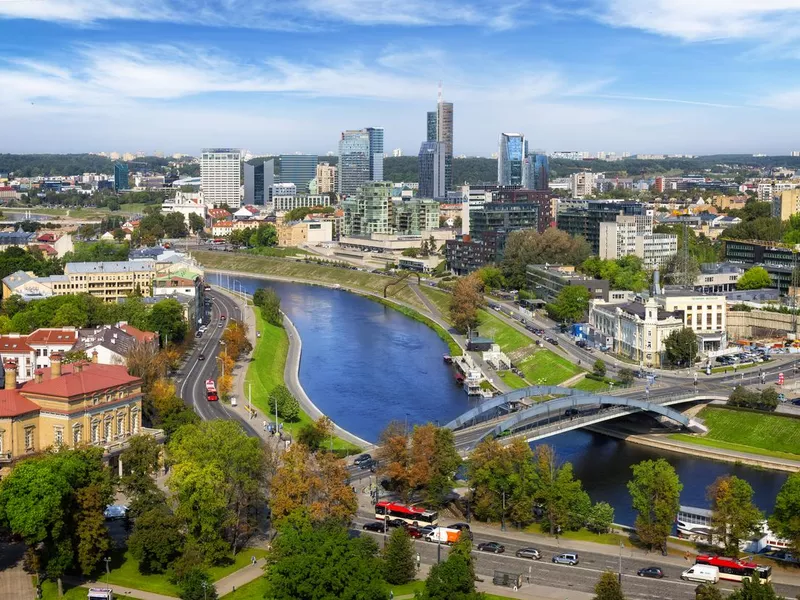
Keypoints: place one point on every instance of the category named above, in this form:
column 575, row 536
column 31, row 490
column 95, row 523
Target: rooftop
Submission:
column 64, row 335
column 91, row 378
column 127, row 266
column 113, row 338
column 14, row 344
column 13, row 404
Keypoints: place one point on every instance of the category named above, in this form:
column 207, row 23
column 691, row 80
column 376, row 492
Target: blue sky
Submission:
column 281, row 76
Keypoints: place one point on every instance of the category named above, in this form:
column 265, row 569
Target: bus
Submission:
column 217, row 242
column 734, row 569
column 211, row 391
column 413, row 515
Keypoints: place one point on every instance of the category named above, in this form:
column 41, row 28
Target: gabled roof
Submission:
column 112, row 338
column 14, row 404
column 65, row 336
column 138, row 334
column 92, row 378
column 14, row 345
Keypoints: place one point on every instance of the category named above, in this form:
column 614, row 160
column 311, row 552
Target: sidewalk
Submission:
column 239, row 578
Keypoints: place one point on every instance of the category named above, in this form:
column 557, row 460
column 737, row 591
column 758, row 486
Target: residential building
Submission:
column 547, row 281
column 120, row 177
column 221, row 176
column 258, row 182
column 655, row 248
column 19, row 238
column 69, row 406
column 170, row 284
column 298, row 169
column 106, row 344
column 536, row 172
column 583, row 184
column 14, row 346
column 444, row 133
column 511, row 152
column 465, row 254
column 584, row 217
column 47, row 341
column 354, row 161
column 432, row 162
column 764, row 192
column 326, row 178
column 412, row 217
column 367, row 212
column 286, row 203
column 786, row 204
column 628, row 235
column 292, row 234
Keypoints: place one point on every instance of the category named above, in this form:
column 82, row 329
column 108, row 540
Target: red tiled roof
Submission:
column 53, row 336
column 47, row 249
column 141, row 336
column 92, row 378
column 13, row 404
column 14, row 345
column 223, row 224
column 46, row 237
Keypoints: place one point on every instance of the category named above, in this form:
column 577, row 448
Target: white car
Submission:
column 233, row 401
column 115, row 511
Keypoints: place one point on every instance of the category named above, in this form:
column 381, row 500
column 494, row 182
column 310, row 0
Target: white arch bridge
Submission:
column 507, row 417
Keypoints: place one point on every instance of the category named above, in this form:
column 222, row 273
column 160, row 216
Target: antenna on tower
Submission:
column 439, row 97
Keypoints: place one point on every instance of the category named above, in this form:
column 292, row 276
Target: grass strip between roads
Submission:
column 767, row 434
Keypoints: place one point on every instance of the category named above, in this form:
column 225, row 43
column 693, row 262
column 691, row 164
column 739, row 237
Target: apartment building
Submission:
column 290, row 202
column 655, row 248
column 786, row 204
column 547, row 281
column 326, row 178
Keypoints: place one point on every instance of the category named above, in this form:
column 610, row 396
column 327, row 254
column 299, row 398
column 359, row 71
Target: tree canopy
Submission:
column 528, row 246
column 571, row 304
column 754, row 278
column 655, row 494
column 626, row 273
column 785, row 519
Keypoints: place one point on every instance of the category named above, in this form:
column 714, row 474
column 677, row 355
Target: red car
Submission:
column 414, row 532
column 222, row 317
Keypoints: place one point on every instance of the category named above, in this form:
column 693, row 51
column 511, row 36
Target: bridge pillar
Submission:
column 697, row 426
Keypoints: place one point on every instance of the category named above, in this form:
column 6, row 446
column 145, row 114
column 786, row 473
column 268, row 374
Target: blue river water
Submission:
column 364, row 365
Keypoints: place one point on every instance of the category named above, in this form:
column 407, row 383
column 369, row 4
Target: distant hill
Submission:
column 47, row 165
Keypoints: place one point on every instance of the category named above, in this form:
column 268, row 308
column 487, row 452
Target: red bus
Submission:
column 413, row 515
column 734, row 569
column 211, row 391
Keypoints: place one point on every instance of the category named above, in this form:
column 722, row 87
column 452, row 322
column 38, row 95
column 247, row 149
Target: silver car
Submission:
column 567, row 558
column 531, row 553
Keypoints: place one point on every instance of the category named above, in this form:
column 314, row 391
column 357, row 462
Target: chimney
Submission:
column 55, row 365
column 94, row 357
column 77, row 366
column 10, row 367
column 39, row 376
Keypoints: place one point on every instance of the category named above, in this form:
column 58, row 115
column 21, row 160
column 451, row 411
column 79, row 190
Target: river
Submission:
column 364, row 365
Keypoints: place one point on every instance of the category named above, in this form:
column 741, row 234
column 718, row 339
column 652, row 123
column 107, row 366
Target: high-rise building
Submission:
column 397, row 152
column 120, row 177
column 367, row 212
column 512, row 151
column 258, row 181
column 536, row 172
column 433, row 132
column 582, row 184
column 432, row 156
column 326, row 178
column 584, row 218
column 221, row 176
column 298, row 169
column 375, row 153
column 444, row 133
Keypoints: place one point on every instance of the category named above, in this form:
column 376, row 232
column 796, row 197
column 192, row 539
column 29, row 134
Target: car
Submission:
column 234, row 402
column 531, row 553
column 459, row 526
column 494, row 547
column 395, row 523
column 567, row 558
column 796, row 401
column 368, row 464
column 362, row 458
column 654, row 572
column 115, row 511
column 199, row 334
column 571, row 412
column 222, row 317
column 221, row 324
column 414, row 532
column 426, row 529
column 375, row 526
column 201, row 356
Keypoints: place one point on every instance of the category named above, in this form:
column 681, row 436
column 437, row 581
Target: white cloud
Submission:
column 703, row 20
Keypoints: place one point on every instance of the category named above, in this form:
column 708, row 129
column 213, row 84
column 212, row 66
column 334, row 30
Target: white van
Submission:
column 701, row 574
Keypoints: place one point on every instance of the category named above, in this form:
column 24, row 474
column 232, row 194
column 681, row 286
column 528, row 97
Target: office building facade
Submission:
column 433, row 133
column 547, row 281
column 375, row 153
column 432, row 162
column 354, row 161
column 298, row 169
column 221, row 176
column 258, row 182
column 584, row 218
column 444, row 133
column 120, row 177
column 511, row 152
column 536, row 172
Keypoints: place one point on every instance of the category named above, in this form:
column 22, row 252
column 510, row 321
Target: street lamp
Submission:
column 107, row 560
column 205, row 587
column 621, row 545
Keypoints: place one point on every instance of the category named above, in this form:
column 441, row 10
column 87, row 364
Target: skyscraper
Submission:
column 326, row 178
column 432, row 170
column 432, row 129
column 536, row 172
column 221, row 176
column 444, row 133
column 258, row 180
column 298, row 169
column 120, row 177
column 360, row 158
column 511, row 152
column 375, row 153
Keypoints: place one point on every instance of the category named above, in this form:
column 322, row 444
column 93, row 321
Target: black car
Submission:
column 374, row 526
column 796, row 401
column 370, row 464
column 654, row 572
column 201, row 356
column 491, row 547
column 395, row 523
column 362, row 459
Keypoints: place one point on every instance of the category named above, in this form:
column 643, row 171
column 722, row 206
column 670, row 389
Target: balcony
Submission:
column 120, row 442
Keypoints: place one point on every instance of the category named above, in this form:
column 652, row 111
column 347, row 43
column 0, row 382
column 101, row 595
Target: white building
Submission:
column 284, row 189
column 583, row 184
column 634, row 235
column 221, row 176
column 287, row 203
column 186, row 203
column 764, row 192
column 655, row 248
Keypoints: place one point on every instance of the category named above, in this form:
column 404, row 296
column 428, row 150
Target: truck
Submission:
column 443, row 535
column 701, row 574
column 100, row 594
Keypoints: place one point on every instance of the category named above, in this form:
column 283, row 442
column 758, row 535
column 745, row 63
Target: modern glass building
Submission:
column 258, row 181
column 432, row 157
column 432, row 129
column 120, row 177
column 360, row 158
column 577, row 220
column 513, row 149
column 375, row 153
column 444, row 133
column 298, row 169
column 536, row 172
column 368, row 212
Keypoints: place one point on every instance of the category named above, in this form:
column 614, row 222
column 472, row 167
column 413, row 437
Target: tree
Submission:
column 707, row 592
column 399, row 558
column 411, row 252
column 395, row 458
column 753, row 589
column 166, row 317
column 766, row 400
column 196, row 584
column 313, row 435
column 599, row 368
column 316, row 561
column 566, row 505
column 626, row 376
column 174, row 224
column 528, row 246
column 91, row 532
column 196, row 222
column 453, row 579
column 270, row 304
column 600, row 517
column 754, row 278
column 492, row 278
column 608, row 587
column 433, row 462
column 681, row 347
column 288, row 407
column 157, row 540
column 734, row 517
column 785, row 520
column 465, row 302
column 570, row 305
column 655, row 494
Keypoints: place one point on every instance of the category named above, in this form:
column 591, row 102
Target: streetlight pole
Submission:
column 107, row 560
column 620, row 563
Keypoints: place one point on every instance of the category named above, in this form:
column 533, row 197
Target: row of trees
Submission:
column 767, row 399
column 529, row 247
column 626, row 273
column 268, row 301
column 263, row 236
column 235, row 343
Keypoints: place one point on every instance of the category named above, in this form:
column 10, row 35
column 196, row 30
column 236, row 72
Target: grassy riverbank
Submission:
column 767, row 434
column 310, row 272
column 453, row 348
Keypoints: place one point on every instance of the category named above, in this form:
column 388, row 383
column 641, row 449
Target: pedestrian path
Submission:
column 124, row 592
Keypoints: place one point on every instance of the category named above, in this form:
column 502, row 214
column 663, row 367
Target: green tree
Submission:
column 608, row 587
column 655, row 494
column 157, row 540
column 707, row 592
column 453, row 579
column 492, row 278
column 528, row 246
column 314, row 435
column 753, row 589
column 270, row 304
column 288, row 407
column 626, row 376
column 196, row 222
column 411, row 252
column 312, row 561
column 174, row 224
column 140, row 463
column 399, row 558
column 166, row 317
column 465, row 302
column 196, row 584
column 91, row 532
column 754, row 278
column 734, row 517
column 681, row 347
column 785, row 520
column 600, row 517
column 566, row 505
column 570, row 305
column 599, row 368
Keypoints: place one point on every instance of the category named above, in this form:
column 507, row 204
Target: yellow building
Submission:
column 326, row 178
column 786, row 205
column 292, row 234
column 69, row 405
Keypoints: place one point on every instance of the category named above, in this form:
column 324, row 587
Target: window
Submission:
column 58, row 436
column 77, row 435
column 107, row 429
column 120, row 424
column 95, row 432
column 2, row 433
column 135, row 421
column 29, row 438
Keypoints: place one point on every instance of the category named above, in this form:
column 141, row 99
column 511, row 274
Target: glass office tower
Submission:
column 513, row 149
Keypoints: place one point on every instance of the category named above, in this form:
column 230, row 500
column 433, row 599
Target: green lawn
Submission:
column 582, row 535
column 502, row 333
column 591, row 385
column 439, row 297
column 266, row 371
column 310, row 272
column 254, row 590
column 769, row 434
column 513, row 380
column 407, row 588
column 279, row 252
column 50, row 592
column 545, row 367
column 240, row 562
